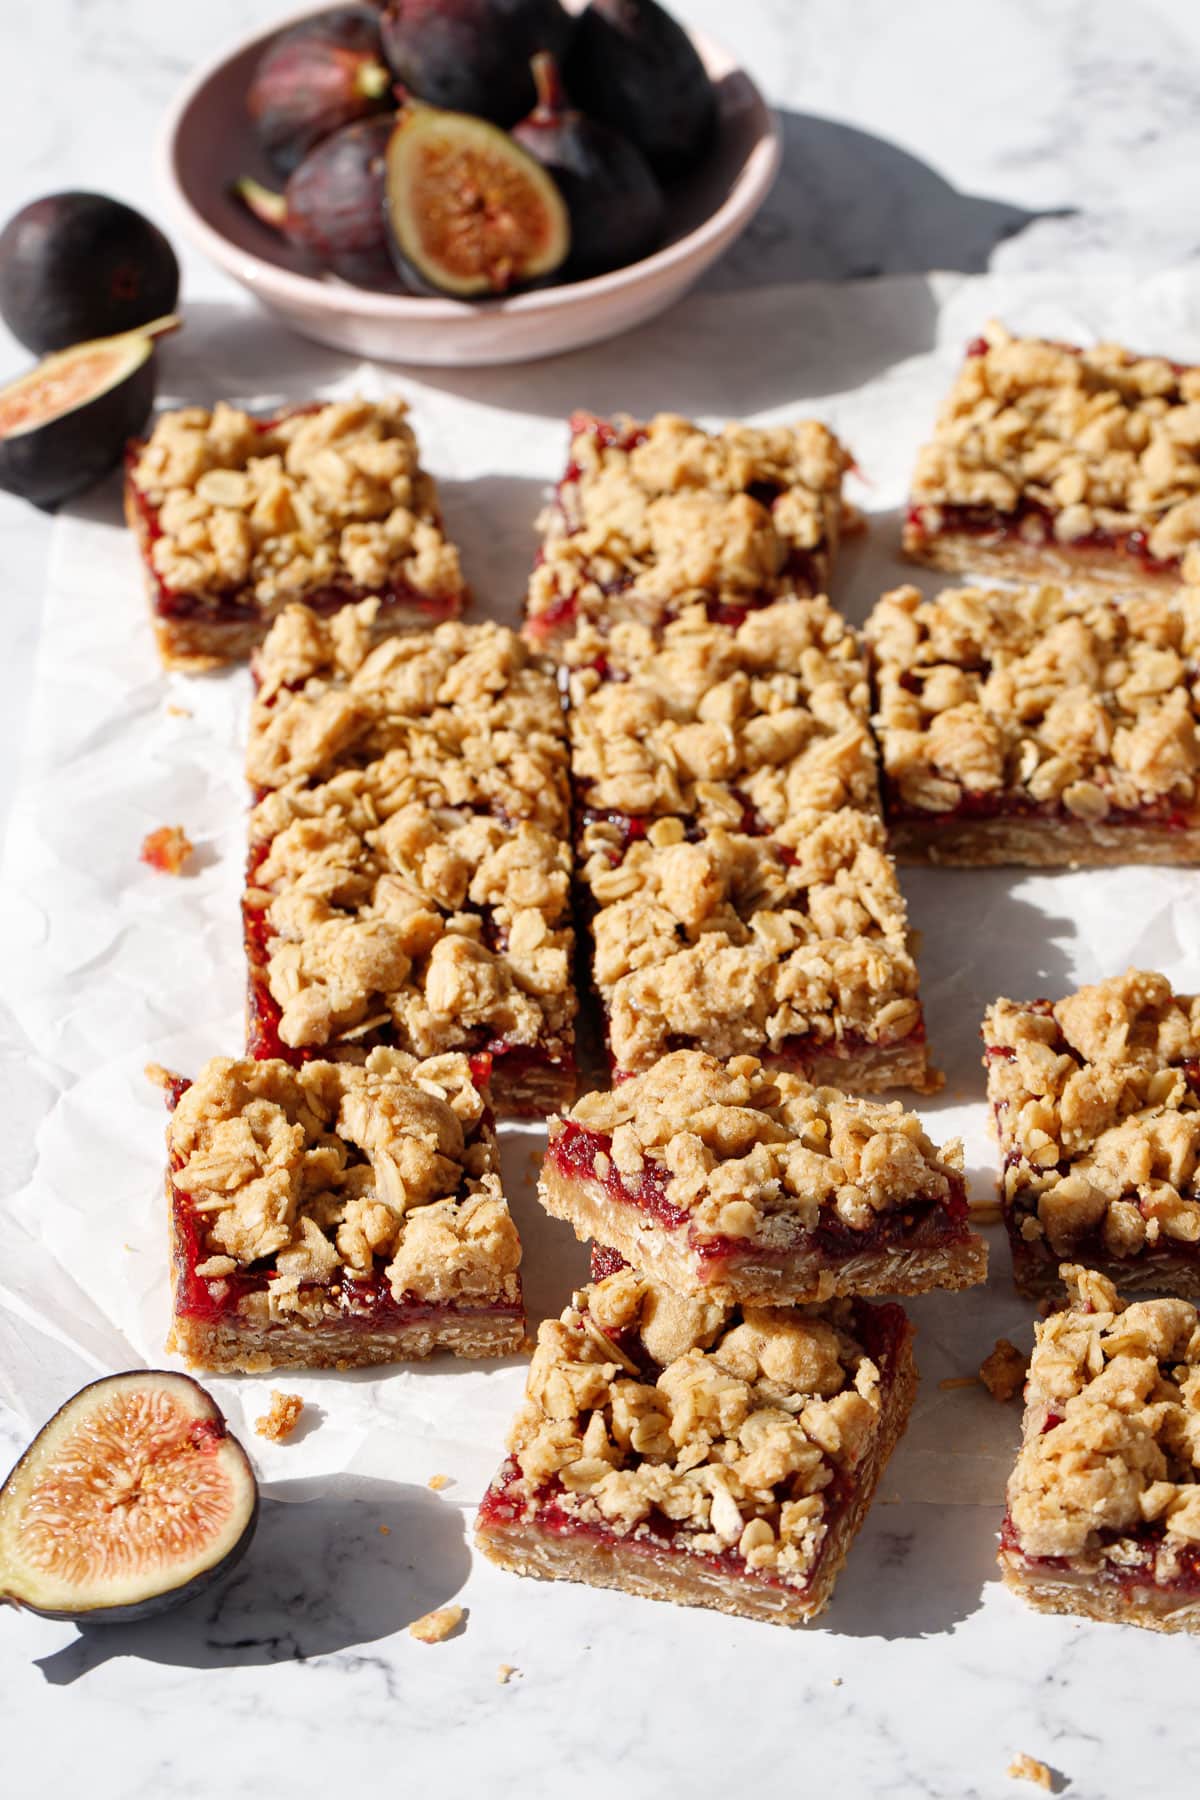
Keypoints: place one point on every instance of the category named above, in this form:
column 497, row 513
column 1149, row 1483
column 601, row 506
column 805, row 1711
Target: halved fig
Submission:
column 469, row 212
column 132, row 1499
column 66, row 423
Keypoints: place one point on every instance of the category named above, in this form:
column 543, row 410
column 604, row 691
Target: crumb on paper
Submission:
column 837, row 1681
column 162, row 1078
column 385, row 1531
column 505, row 1673
column 438, row 1482
column 1028, row 1768
column 436, row 1626
column 281, row 1421
column 178, row 712
column 958, row 1381
column 985, row 1212
column 1003, row 1371
column 167, row 849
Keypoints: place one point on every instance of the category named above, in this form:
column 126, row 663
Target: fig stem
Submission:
column 551, row 95
column 268, row 207
column 373, row 80
column 159, row 327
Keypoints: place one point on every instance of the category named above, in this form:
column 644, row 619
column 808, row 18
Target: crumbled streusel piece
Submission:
column 654, row 516
column 1095, row 1106
column 333, row 1168
column 505, row 1673
column 1003, row 1370
column 1100, row 440
column 1027, row 1768
column 1037, row 696
column 438, row 1625
column 438, row 1482
column 282, row 1419
column 169, row 849
column 326, row 496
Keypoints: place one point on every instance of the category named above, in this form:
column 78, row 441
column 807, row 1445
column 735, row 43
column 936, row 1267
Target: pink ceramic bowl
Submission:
column 207, row 142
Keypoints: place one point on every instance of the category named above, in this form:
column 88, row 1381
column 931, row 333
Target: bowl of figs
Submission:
column 469, row 181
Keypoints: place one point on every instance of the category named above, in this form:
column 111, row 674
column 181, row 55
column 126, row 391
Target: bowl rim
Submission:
column 259, row 274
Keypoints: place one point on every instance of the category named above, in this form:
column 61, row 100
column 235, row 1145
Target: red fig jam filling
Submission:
column 1140, row 1549
column 1009, row 803
column 925, row 1224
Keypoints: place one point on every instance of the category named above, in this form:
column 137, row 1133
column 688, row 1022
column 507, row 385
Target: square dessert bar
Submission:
column 1096, row 1105
column 713, row 1456
column 410, row 863
column 1104, row 1501
column 733, row 864
column 237, row 516
column 1034, row 726
column 1062, row 463
column 652, row 517
column 753, row 1187
column 338, row 1215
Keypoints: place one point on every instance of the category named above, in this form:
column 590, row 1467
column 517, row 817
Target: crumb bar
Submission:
column 1062, row 463
column 652, row 517
column 1096, row 1105
column 337, row 1215
column 410, row 852
column 733, row 866
column 237, row 516
column 1104, row 1501
column 686, row 1451
column 1034, row 726
column 753, row 1187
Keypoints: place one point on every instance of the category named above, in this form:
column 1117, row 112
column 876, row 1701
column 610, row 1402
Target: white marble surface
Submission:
column 1008, row 135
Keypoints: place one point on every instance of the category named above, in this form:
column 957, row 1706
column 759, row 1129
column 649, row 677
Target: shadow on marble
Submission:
column 848, row 204
column 323, row 1577
column 493, row 520
column 915, row 1571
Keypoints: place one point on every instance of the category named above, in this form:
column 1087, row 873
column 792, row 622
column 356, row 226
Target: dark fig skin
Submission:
column 616, row 205
column 324, row 73
column 76, row 266
column 473, row 56
column 50, row 463
column 634, row 68
column 333, row 205
column 171, row 1596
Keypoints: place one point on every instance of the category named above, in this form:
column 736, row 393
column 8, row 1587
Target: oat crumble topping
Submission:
column 1003, row 1370
column 1105, row 440
column 665, row 513
column 333, row 1169
column 731, row 1422
column 1096, row 1115
column 1045, row 696
column 750, row 1153
column 411, row 852
column 706, row 720
column 1112, row 1429
column 327, row 496
column 169, row 849
column 282, row 1419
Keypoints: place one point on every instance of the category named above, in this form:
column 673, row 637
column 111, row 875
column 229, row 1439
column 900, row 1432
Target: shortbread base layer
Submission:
column 599, row 1558
column 227, row 1347
column 1091, row 569
column 863, row 1069
column 766, row 1279
column 201, row 640
column 1036, row 1268
column 1039, row 842
column 1084, row 1596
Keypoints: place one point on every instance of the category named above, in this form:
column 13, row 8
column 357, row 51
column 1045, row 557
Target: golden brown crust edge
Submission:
column 1050, row 843
column 1098, row 571
column 1058, row 1591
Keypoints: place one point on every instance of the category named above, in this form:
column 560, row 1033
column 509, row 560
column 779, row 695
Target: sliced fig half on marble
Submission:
column 133, row 1498
column 66, row 423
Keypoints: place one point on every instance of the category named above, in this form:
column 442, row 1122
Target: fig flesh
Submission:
column 615, row 203
column 473, row 55
column 469, row 212
column 66, row 423
column 78, row 266
column 322, row 74
column 634, row 67
column 133, row 1498
column 332, row 206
